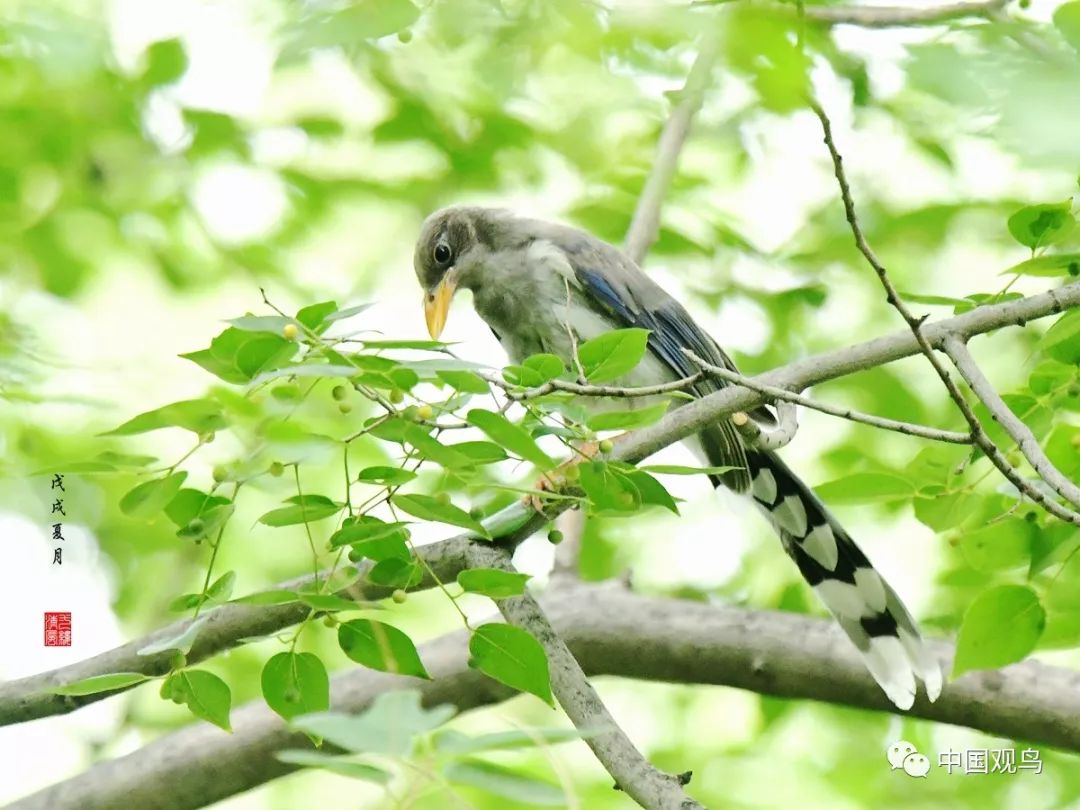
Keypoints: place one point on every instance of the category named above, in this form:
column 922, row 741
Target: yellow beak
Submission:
column 437, row 305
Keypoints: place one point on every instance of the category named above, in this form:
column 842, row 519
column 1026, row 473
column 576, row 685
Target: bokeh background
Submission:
column 161, row 161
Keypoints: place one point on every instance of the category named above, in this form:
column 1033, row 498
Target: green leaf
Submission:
column 295, row 683
column 206, row 695
column 1000, row 627
column 395, row 572
column 1040, row 225
column 493, row 582
column 181, row 642
column 513, row 657
column 504, row 782
column 427, row 507
column 612, row 354
column 464, row 381
column 650, row 491
column 866, row 488
column 105, row 461
column 1067, row 21
column 166, row 62
column 274, row 597
column 456, row 743
column 348, row 312
column 434, row 450
column 222, row 587
column 1053, row 264
column 368, row 529
column 389, row 726
column 274, row 324
column 303, row 510
column 607, row 490
column 513, row 437
column 314, row 316
column 1062, row 340
column 100, row 683
column 387, row 476
column 534, row 371
column 481, row 452
column 339, row 765
column 380, row 646
column 208, row 523
column 150, row 497
column 429, row 345
column 189, row 504
column 196, row 415
column 623, row 419
column 679, row 469
column 999, row 546
column 365, row 19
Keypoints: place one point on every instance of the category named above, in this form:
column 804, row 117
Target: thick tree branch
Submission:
column 1003, row 415
column 610, row 631
column 25, row 699
column 978, row 434
column 633, row 773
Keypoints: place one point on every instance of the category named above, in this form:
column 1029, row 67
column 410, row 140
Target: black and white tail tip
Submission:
column 863, row 603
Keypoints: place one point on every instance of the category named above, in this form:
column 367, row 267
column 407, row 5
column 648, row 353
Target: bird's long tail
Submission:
column 863, row 603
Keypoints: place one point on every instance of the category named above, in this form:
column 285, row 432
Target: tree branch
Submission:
column 1003, row 415
column 892, row 16
column 610, row 631
column 645, row 222
column 978, row 435
column 633, row 773
column 24, row 699
column 907, row 428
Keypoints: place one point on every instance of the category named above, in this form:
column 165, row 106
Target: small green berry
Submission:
column 196, row 527
column 410, row 413
column 399, row 596
column 338, row 392
column 404, row 36
column 277, row 469
column 290, row 331
column 329, row 621
column 626, row 499
column 571, row 473
column 397, row 396
column 345, row 407
column 425, row 412
column 443, row 498
column 178, row 660
column 555, row 537
column 220, row 473
column 606, row 446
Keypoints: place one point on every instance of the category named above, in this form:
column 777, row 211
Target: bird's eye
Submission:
column 442, row 253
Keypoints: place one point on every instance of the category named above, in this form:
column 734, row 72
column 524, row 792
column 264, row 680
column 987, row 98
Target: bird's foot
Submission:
column 566, row 473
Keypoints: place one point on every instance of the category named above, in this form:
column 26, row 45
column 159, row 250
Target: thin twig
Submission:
column 578, row 389
column 907, row 428
column 978, row 435
column 1003, row 415
column 890, row 16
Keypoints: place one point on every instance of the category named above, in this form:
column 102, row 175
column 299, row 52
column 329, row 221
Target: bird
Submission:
column 544, row 287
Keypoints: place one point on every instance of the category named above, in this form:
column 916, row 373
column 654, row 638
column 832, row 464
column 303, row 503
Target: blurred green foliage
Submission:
column 102, row 157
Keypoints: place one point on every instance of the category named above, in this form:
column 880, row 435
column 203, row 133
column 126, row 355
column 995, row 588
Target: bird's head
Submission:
column 453, row 245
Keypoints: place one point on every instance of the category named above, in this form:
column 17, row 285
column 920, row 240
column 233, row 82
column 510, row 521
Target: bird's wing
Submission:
column 618, row 287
